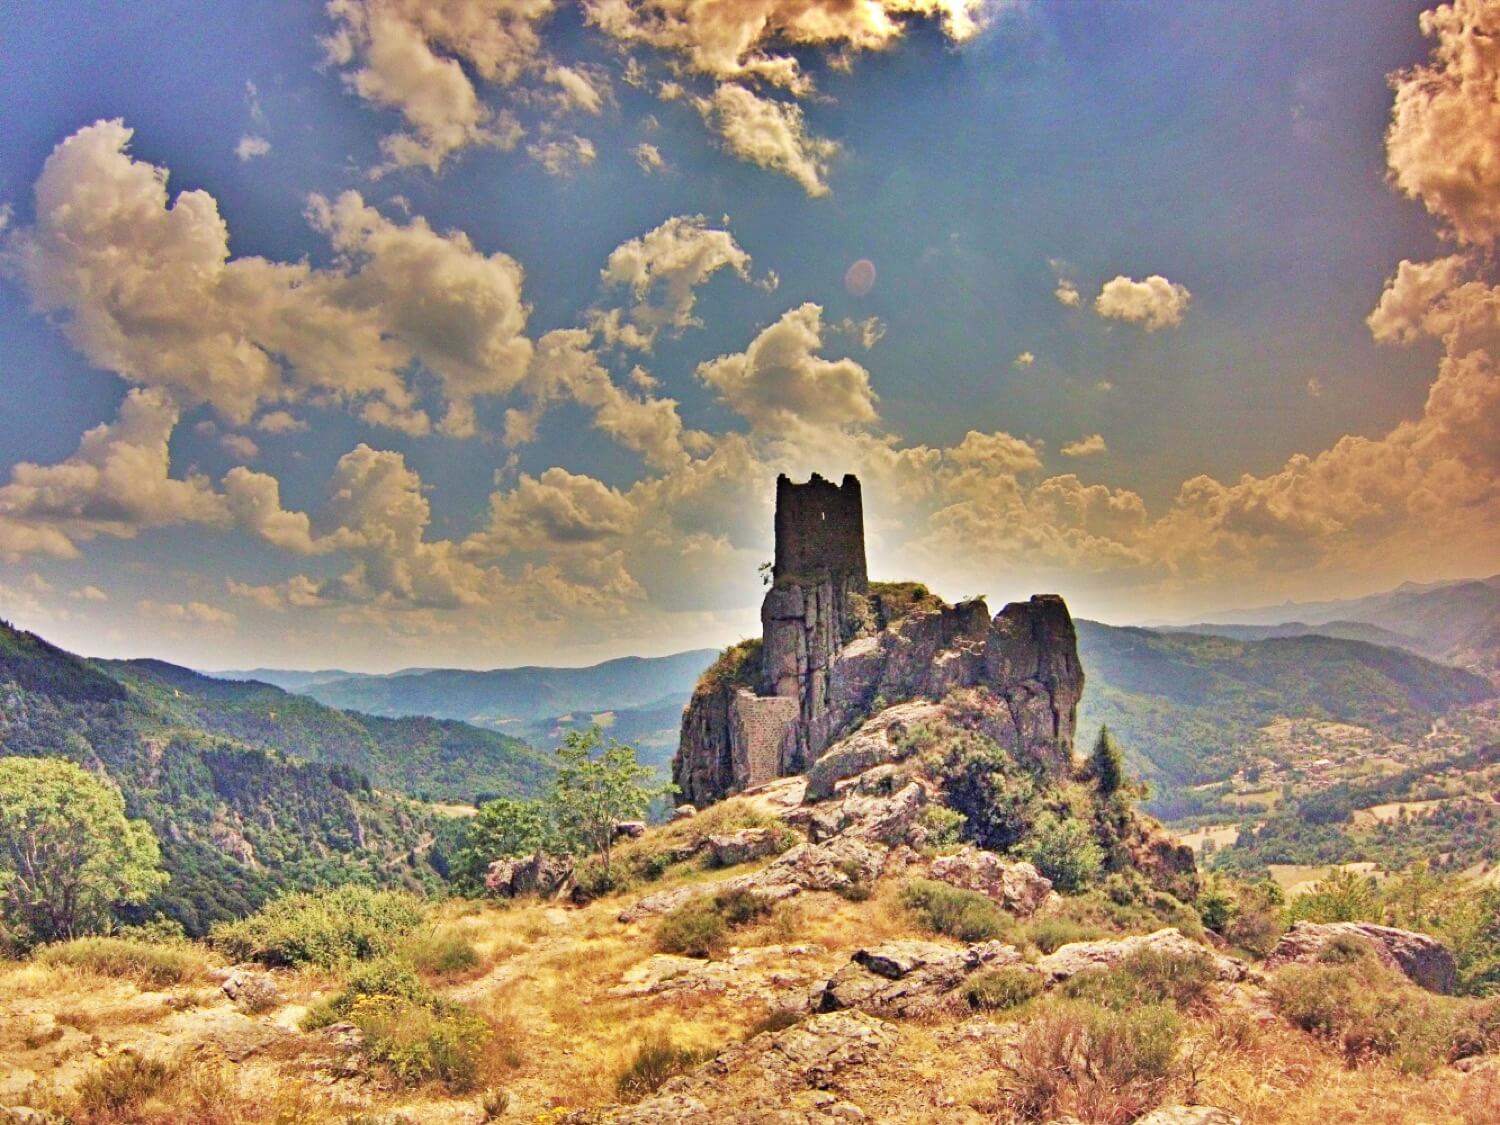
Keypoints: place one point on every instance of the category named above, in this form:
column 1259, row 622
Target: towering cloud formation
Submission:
column 117, row 483
column 146, row 287
column 780, row 384
column 1444, row 139
column 409, row 55
column 662, row 270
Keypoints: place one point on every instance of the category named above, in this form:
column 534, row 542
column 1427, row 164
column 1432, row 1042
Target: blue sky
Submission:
column 373, row 463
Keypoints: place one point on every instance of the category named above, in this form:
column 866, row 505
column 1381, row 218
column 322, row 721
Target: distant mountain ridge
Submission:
column 516, row 699
column 1457, row 621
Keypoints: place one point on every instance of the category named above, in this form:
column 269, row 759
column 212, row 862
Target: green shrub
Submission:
column 325, row 930
column 656, row 1060
column 982, row 782
column 944, row 826
column 1147, row 976
column 419, row 1043
column 1093, row 1063
column 1064, row 850
column 390, row 977
column 147, row 963
column 1051, row 934
column 1367, row 1010
column 694, row 929
column 957, row 913
column 1000, row 989
column 699, row 927
column 442, row 954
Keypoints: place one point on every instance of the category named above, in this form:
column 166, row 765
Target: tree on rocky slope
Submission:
column 599, row 783
column 1107, row 762
column 68, row 856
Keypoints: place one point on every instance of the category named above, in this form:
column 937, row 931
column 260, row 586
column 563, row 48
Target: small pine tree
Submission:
column 1106, row 763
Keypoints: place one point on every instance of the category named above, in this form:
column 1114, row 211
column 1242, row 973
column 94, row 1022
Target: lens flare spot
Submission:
column 859, row 278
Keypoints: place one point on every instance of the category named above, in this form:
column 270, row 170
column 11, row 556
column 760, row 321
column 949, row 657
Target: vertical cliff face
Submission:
column 835, row 648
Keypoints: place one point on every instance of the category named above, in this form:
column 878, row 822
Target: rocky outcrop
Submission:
column 909, row 978
column 1081, row 956
column 539, row 874
column 747, row 844
column 877, row 742
column 776, row 976
column 1425, row 960
column 1017, row 887
column 836, row 650
column 751, row 1082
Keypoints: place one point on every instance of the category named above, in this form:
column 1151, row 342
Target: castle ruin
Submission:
column 831, row 649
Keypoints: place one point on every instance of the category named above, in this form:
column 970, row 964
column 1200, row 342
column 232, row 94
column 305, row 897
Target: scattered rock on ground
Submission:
column 1422, row 958
column 1018, row 887
column 907, row 978
column 839, row 865
column 1080, row 956
column 780, row 1065
column 683, row 812
column 1188, row 1115
column 776, row 975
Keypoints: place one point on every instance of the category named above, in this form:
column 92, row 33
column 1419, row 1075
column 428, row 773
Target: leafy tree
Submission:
column 1107, row 763
column 503, row 827
column 69, row 858
column 598, row 784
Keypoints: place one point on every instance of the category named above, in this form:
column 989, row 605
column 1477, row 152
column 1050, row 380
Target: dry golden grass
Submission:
column 546, row 982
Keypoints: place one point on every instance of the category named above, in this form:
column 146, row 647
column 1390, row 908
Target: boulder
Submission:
column 1017, row 887
column 1425, row 960
column 540, row 874
column 683, row 812
column 256, row 991
column 909, row 978
column 745, row 845
column 1081, row 956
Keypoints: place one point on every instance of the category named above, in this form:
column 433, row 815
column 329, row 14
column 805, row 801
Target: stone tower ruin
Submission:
column 820, row 530
column 832, row 648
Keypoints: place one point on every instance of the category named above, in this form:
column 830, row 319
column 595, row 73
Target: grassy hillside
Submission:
column 432, row 758
column 1183, row 704
column 510, row 698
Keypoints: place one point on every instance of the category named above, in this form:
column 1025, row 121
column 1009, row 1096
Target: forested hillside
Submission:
column 250, row 791
column 432, row 758
column 1184, row 705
